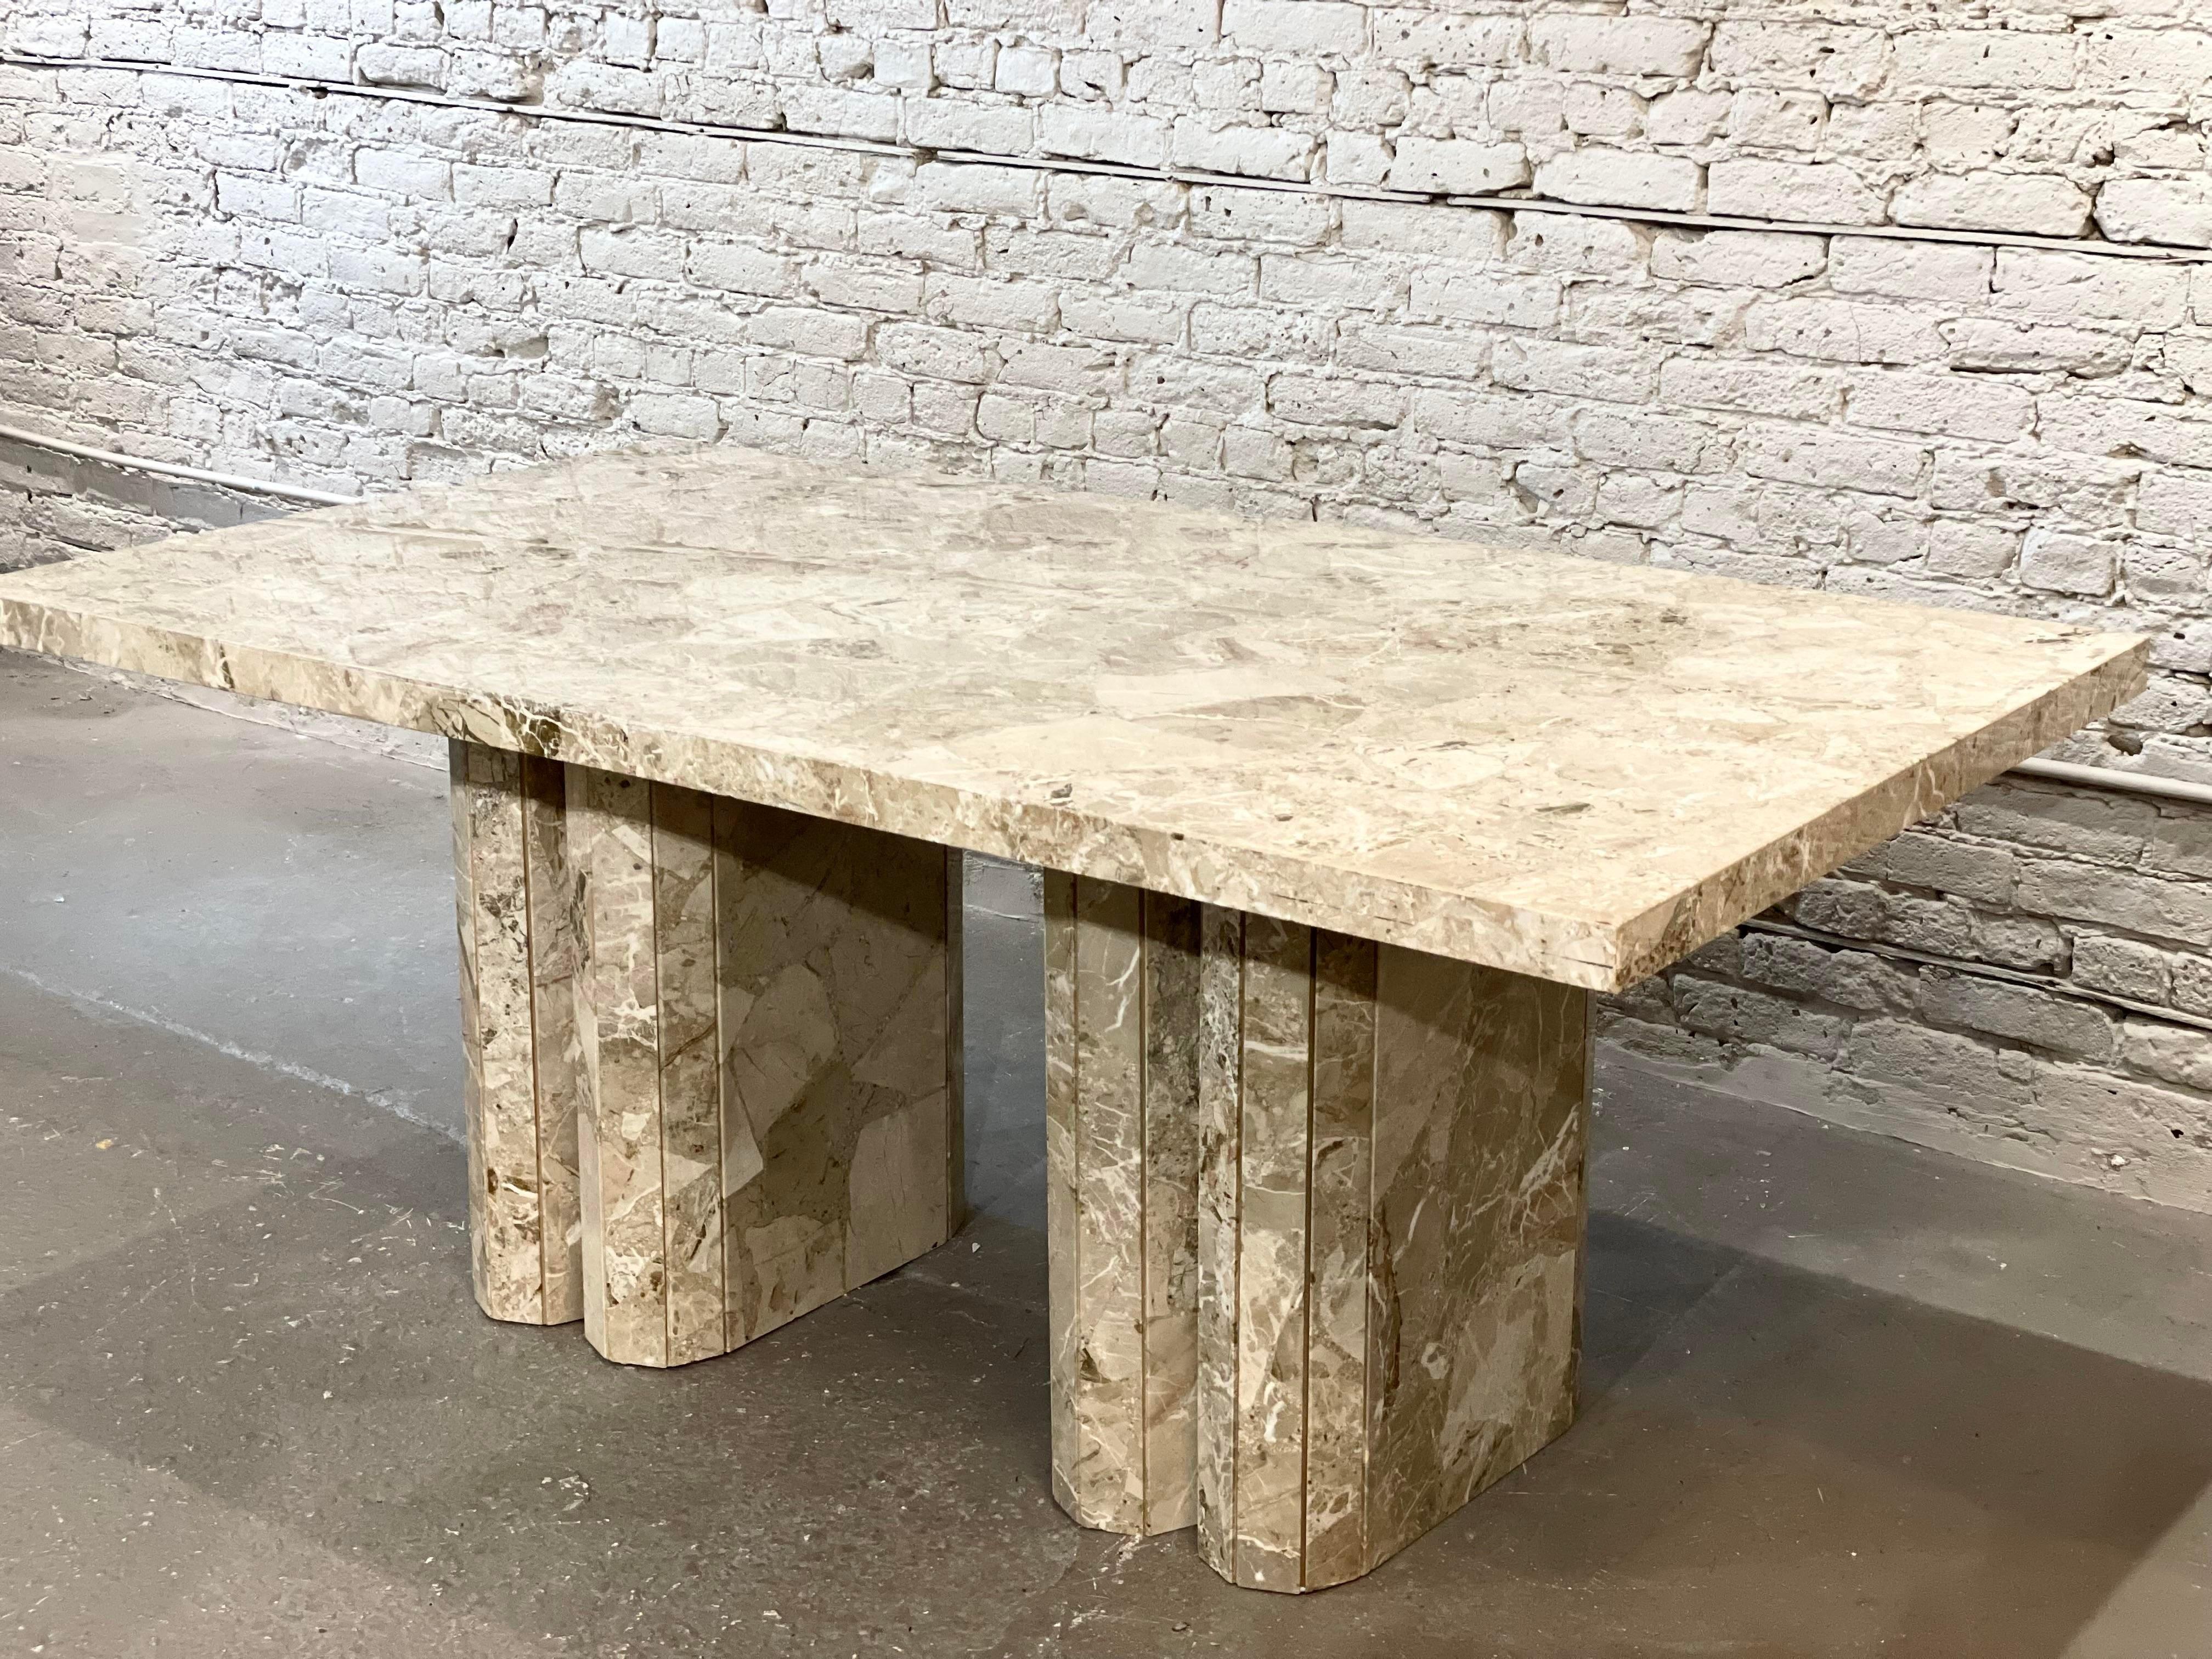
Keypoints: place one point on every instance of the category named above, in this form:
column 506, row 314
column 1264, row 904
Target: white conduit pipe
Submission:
column 2089, row 245
column 171, row 470
column 2125, row 783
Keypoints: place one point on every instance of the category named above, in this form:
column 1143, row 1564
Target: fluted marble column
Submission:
column 1391, row 1218
column 769, row 1020
column 515, row 897
column 1121, row 1171
column 713, row 1049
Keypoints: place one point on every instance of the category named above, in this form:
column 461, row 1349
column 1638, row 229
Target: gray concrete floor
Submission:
column 1843, row 1396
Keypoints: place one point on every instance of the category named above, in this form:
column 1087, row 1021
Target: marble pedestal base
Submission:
column 1122, row 1059
column 1385, row 1205
column 714, row 1054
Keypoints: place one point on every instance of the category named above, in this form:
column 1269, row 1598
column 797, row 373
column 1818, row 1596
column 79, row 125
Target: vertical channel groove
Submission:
column 721, row 842
column 530, row 946
column 1144, row 1216
column 1306, row 1268
column 1075, row 1143
column 955, row 1042
column 713, row 967
column 1369, row 1231
column 1236, row 1301
column 659, row 1051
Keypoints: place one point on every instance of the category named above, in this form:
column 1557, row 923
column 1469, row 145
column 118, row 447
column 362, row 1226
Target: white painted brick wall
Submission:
column 351, row 290
column 2014, row 117
column 2065, row 887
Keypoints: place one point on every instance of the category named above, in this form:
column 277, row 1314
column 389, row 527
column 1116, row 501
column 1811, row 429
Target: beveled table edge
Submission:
column 1547, row 944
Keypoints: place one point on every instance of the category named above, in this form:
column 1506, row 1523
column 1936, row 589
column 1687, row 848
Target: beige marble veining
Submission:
column 1561, row 768
column 514, row 907
column 1391, row 1234
column 1122, row 1172
column 840, row 1055
column 772, row 1052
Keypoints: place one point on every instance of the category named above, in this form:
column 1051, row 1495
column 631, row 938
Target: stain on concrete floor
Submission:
column 1843, row 1397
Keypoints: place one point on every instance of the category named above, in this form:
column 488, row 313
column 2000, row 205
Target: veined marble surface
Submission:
column 1570, row 770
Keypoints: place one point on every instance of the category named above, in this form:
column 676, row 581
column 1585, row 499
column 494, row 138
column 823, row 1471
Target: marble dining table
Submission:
column 1340, row 830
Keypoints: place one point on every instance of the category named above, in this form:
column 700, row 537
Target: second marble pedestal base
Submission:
column 714, row 1054
column 1388, row 1202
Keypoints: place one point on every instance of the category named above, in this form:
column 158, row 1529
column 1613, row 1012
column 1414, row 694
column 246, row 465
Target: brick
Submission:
column 1954, row 405
column 675, row 417
column 1252, row 151
column 506, row 187
column 2072, row 287
column 869, row 289
column 1997, row 58
column 1465, row 236
column 1262, row 336
column 1985, row 874
column 1356, row 158
column 1335, row 402
column 1158, row 265
column 1487, row 421
column 1102, row 135
column 2124, row 967
column 1587, row 45
column 1228, row 213
column 1971, row 550
column 2061, row 563
column 2094, row 426
column 1755, row 388
column 1839, row 61
column 1606, row 373
column 741, row 269
column 1852, row 979
column 2039, row 205
column 256, row 198
column 1950, row 1069
column 946, row 124
column 2172, row 1054
column 2148, row 905
column 1842, row 331
column 400, row 66
column 1735, row 1014
column 1425, row 351
column 2177, row 839
column 1448, row 40
column 2159, row 57
column 405, row 174
column 1336, row 281
column 1807, row 192
column 942, row 353
column 1910, row 270
column 1623, row 178
column 1733, row 258
column 2192, row 984
column 2102, row 1114
column 1834, row 461
column 2006, row 346
column 2176, row 211
column 1484, row 296
column 2041, row 1020
column 1295, row 26
column 1575, row 242
column 2023, row 942
column 1025, row 71
column 1457, row 167
column 1649, row 442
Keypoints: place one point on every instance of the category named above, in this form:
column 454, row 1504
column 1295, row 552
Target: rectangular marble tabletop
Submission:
column 1562, row 768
